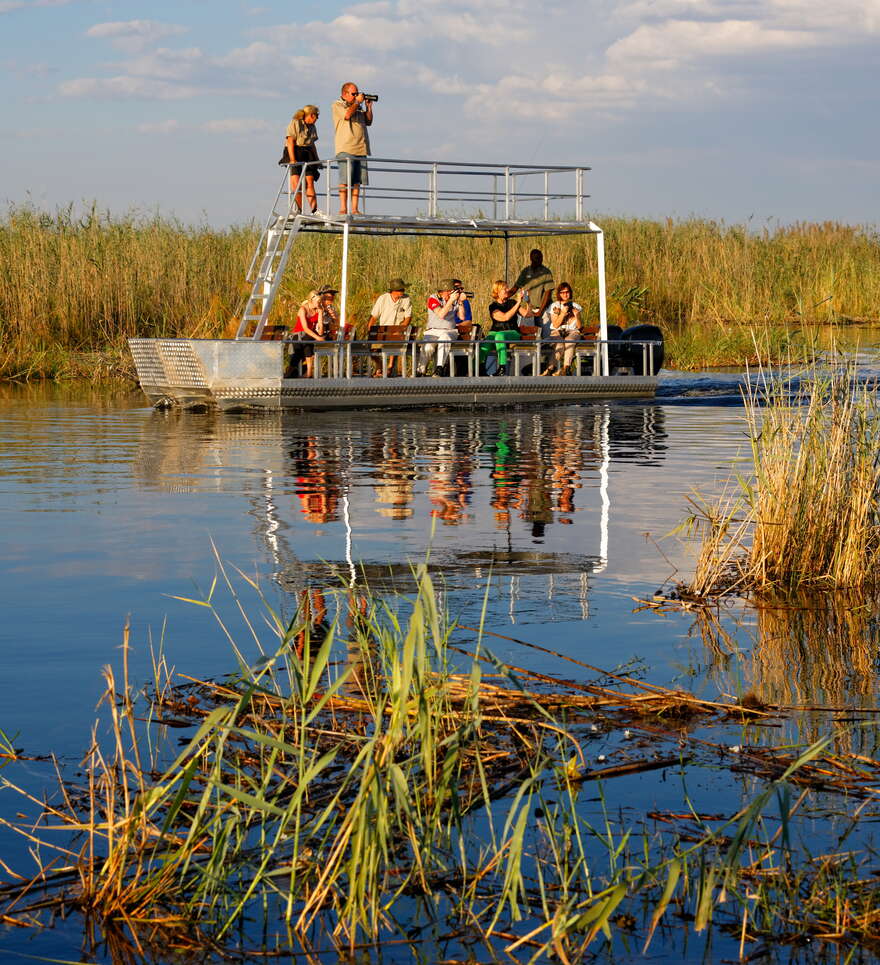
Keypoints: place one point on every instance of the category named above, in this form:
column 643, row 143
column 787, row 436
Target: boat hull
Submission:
column 232, row 374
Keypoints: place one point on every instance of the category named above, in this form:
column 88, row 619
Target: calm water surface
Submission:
column 110, row 510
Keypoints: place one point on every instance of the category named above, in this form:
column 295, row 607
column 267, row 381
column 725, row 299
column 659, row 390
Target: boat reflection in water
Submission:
column 521, row 498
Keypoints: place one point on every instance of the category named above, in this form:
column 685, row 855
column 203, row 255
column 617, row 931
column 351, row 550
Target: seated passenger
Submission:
column 445, row 310
column 503, row 312
column 314, row 322
column 393, row 307
column 562, row 327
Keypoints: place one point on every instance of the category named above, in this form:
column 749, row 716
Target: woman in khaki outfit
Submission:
column 300, row 140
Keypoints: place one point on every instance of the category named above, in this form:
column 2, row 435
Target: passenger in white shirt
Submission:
column 562, row 326
column 394, row 307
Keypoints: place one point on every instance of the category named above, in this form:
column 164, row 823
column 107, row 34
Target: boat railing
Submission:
column 606, row 356
column 396, row 187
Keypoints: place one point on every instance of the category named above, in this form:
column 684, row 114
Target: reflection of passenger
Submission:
column 565, row 454
column 537, row 506
column 505, row 477
column 450, row 486
column 317, row 485
column 396, row 491
column 312, row 614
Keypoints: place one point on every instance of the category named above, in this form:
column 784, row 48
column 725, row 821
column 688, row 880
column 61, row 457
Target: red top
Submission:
column 310, row 319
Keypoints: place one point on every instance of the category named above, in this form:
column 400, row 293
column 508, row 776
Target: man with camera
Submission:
column 445, row 311
column 352, row 115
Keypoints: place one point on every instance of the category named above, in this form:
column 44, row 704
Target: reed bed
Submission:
column 328, row 805
column 810, row 515
column 74, row 285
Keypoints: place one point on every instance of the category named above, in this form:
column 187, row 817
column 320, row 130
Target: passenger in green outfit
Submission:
column 504, row 311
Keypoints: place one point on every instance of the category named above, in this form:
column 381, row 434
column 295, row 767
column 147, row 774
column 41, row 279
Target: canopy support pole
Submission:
column 343, row 301
column 603, row 310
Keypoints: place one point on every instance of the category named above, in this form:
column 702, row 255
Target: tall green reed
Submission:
column 809, row 516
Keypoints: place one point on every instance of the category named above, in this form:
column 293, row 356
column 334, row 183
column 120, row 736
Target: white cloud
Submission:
column 605, row 56
column 124, row 87
column 669, row 44
column 159, row 127
column 134, row 35
column 165, row 63
column 8, row 6
column 236, row 126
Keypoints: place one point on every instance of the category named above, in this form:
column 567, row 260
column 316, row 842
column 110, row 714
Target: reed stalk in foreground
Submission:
column 318, row 805
column 810, row 514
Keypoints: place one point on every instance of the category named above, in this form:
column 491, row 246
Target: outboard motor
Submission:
column 637, row 359
column 616, row 352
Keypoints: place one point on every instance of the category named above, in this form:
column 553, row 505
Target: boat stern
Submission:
column 197, row 372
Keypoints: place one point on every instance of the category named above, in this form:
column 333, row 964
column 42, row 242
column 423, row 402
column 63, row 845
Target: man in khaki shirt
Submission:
column 352, row 115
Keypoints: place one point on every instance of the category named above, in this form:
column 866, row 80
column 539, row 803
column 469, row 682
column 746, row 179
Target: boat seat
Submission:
column 394, row 342
column 465, row 348
column 587, row 350
column 526, row 351
column 273, row 333
column 329, row 351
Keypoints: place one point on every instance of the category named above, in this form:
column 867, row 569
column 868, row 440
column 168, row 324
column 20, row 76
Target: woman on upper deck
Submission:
column 300, row 141
column 562, row 326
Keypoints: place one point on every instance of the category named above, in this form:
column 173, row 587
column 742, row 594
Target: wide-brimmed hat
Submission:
column 397, row 285
column 327, row 290
column 445, row 284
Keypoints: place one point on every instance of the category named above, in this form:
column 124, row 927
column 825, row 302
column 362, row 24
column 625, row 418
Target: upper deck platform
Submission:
column 454, row 198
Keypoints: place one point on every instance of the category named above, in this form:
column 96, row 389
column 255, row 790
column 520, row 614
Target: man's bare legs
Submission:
column 343, row 199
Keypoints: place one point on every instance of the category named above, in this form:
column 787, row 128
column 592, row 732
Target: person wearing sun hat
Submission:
column 445, row 311
column 393, row 307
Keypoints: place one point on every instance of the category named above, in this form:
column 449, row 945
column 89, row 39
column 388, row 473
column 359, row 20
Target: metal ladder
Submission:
column 272, row 252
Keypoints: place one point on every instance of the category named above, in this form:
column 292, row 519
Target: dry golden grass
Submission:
column 73, row 283
column 810, row 515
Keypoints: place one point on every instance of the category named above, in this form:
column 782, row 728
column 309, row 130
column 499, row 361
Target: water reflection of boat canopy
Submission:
column 461, row 571
column 257, row 460
column 455, row 199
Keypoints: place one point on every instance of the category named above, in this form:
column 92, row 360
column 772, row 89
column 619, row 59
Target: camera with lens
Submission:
column 464, row 293
column 372, row 98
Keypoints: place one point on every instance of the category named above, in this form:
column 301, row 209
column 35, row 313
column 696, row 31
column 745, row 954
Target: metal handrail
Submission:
column 507, row 185
column 348, row 347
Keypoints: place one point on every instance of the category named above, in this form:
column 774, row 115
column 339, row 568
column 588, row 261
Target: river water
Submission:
column 110, row 508
column 561, row 519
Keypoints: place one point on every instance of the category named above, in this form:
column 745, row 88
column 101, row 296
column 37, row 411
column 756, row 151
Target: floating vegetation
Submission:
column 353, row 787
column 809, row 517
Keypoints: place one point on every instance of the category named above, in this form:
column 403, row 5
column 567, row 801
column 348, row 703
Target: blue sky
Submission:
column 734, row 109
